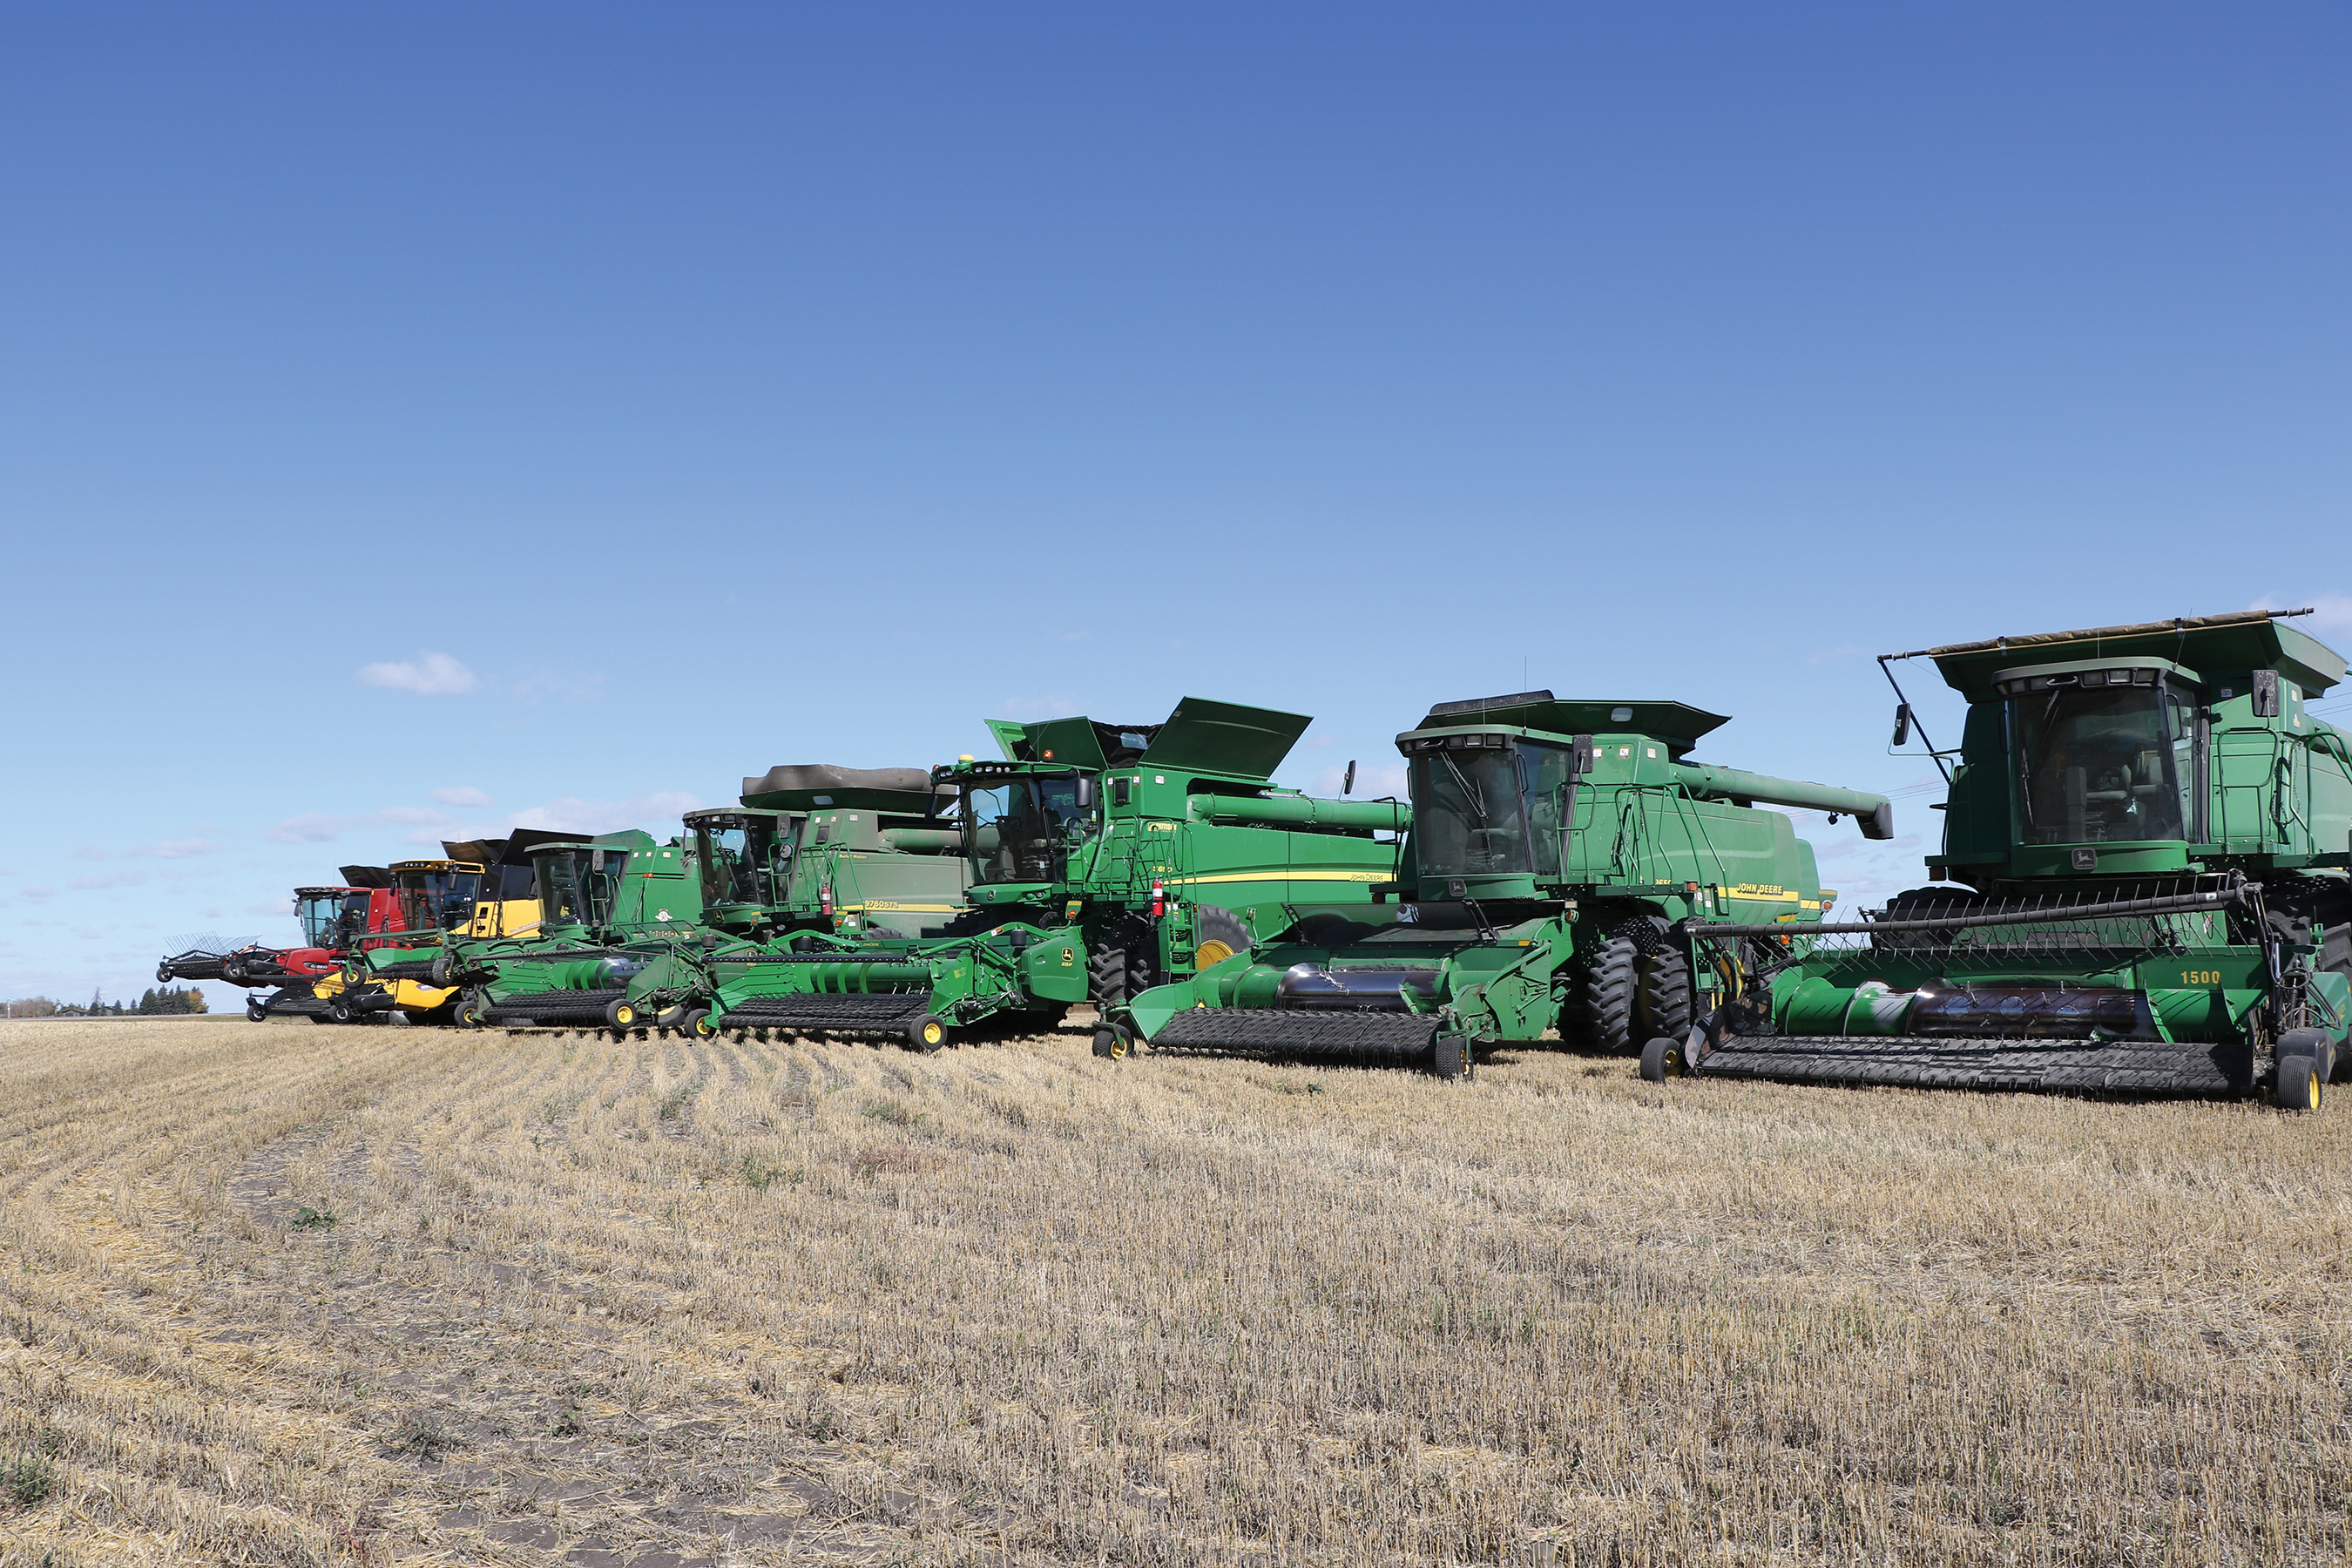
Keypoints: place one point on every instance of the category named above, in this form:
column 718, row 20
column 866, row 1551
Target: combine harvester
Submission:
column 605, row 908
column 481, row 887
column 1101, row 857
column 1556, row 849
column 332, row 920
column 2153, row 833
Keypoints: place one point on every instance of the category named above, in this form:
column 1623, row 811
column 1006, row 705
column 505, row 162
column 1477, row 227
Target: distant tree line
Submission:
column 152, row 1001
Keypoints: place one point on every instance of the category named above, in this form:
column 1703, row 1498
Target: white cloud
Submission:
column 38, row 894
column 572, row 815
column 318, row 827
column 433, row 674
column 461, row 794
column 107, row 879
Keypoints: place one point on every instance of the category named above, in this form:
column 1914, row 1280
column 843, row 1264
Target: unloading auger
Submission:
column 2150, row 833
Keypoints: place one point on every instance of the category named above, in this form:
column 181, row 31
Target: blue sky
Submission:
column 419, row 420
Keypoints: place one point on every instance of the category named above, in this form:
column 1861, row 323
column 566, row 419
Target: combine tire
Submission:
column 620, row 1015
column 1106, row 976
column 258, row 1011
column 1638, row 985
column 1113, row 1043
column 927, row 1033
column 696, row 1024
column 2298, row 1085
column 1663, row 1058
column 1605, row 999
column 1221, row 934
column 1664, row 996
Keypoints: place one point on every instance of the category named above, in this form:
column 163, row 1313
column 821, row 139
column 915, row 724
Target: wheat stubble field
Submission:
column 652, row 1304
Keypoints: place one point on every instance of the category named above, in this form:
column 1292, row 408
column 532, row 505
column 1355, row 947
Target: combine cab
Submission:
column 1100, row 858
column 2151, row 832
column 1555, row 849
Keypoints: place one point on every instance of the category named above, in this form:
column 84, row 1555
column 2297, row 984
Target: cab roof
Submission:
column 2216, row 647
column 1678, row 724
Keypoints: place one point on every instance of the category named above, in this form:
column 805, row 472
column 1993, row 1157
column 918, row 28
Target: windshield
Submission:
column 437, row 900
column 1480, row 811
column 2103, row 765
column 743, row 860
column 573, row 891
column 321, row 915
column 1021, row 830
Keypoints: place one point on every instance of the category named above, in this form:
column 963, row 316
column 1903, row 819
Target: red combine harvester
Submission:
column 334, row 921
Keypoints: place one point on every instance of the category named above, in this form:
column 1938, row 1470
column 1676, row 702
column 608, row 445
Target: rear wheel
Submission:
column 2298, row 1084
column 1663, row 1058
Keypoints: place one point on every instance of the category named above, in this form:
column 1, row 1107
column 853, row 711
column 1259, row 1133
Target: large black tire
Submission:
column 1605, row 998
column 1214, row 929
column 1663, row 1003
column 1106, row 970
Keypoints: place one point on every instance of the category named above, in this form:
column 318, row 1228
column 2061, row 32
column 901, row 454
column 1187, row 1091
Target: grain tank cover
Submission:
column 1202, row 736
column 806, row 786
column 2221, row 649
column 1677, row 723
column 365, row 876
column 514, row 849
column 1087, row 743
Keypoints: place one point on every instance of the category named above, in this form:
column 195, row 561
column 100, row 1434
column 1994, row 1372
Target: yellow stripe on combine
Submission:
column 1290, row 877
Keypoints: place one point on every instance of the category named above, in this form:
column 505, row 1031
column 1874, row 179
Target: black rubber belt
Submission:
column 553, row 1008
column 2049, row 1066
column 1298, row 1032
column 845, row 1011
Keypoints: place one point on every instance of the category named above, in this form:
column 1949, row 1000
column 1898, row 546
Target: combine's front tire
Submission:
column 927, row 1033
column 2297, row 1087
column 258, row 1011
column 1605, row 998
column 1106, row 976
column 1664, row 997
column 1663, row 1058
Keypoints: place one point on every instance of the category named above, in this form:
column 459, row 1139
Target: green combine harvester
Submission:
column 2152, row 834
column 1101, row 859
column 1555, row 849
column 607, row 907
column 817, row 855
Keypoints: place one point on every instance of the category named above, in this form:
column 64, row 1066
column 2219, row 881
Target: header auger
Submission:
column 1555, row 848
column 2149, row 836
